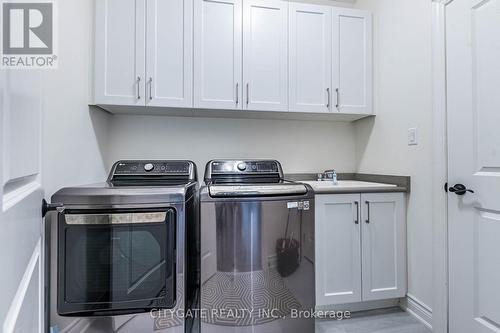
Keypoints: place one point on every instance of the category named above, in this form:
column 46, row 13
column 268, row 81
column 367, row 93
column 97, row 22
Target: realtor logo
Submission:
column 28, row 34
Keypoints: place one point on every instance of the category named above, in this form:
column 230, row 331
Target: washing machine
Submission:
column 257, row 249
column 124, row 254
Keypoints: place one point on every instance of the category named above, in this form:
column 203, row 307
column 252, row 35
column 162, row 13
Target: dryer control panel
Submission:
column 153, row 169
column 148, row 167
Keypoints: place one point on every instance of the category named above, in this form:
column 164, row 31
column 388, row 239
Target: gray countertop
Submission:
column 357, row 183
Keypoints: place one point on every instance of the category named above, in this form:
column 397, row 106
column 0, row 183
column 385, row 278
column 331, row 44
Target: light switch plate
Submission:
column 412, row 137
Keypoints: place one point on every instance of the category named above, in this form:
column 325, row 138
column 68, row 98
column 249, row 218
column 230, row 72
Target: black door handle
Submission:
column 460, row 189
column 47, row 207
column 368, row 209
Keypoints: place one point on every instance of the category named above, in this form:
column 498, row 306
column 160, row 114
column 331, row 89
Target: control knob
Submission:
column 148, row 167
column 242, row 166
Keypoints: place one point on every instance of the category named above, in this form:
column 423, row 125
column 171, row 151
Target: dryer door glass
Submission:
column 118, row 260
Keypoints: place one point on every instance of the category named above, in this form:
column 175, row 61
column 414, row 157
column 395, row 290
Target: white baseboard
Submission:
column 418, row 309
column 362, row 306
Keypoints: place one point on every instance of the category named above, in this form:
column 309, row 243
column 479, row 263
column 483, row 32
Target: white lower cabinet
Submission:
column 360, row 247
column 338, row 249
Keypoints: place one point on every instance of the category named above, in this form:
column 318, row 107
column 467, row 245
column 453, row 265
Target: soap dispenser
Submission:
column 332, row 176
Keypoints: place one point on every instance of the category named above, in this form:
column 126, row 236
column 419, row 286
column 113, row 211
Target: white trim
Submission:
column 362, row 306
column 12, row 198
column 439, row 170
column 41, row 293
column 418, row 309
column 15, row 307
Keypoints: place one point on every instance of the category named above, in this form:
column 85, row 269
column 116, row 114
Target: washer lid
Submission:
column 256, row 190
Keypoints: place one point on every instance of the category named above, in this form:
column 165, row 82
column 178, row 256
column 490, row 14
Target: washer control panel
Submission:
column 263, row 167
column 219, row 169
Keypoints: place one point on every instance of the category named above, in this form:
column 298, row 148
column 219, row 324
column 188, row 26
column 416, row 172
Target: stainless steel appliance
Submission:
column 126, row 253
column 257, row 249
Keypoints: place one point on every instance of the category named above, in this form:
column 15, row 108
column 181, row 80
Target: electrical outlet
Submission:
column 412, row 137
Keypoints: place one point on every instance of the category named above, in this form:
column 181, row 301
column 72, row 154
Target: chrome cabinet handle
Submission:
column 248, row 89
column 357, row 212
column 328, row 98
column 237, row 94
column 138, row 87
column 150, row 88
column 368, row 215
column 337, row 92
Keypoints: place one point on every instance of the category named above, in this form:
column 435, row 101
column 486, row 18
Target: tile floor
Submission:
column 392, row 320
column 378, row 321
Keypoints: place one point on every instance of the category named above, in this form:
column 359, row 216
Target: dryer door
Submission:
column 118, row 261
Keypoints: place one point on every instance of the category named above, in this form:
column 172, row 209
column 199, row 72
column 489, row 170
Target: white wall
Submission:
column 86, row 140
column 403, row 83
column 301, row 146
column 74, row 135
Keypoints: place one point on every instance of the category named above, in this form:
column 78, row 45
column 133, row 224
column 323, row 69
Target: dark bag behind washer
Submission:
column 288, row 250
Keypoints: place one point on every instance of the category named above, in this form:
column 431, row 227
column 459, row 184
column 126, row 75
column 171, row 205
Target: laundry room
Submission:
column 249, row 166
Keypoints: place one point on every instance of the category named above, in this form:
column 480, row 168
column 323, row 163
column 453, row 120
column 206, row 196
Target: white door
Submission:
column 383, row 245
column 338, row 249
column 169, row 55
column 310, row 43
column 473, row 102
column 21, row 284
column 352, row 61
column 120, row 52
column 218, row 54
column 265, row 55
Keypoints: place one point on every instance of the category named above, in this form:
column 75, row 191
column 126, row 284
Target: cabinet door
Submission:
column 338, row 249
column 119, row 52
column 265, row 55
column 217, row 54
column 384, row 245
column 169, row 54
column 310, row 41
column 352, row 61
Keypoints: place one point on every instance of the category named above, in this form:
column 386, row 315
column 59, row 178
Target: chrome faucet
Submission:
column 328, row 175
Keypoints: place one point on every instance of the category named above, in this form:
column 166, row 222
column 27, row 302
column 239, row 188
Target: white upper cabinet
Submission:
column 256, row 55
column 119, row 52
column 265, row 55
column 352, row 61
column 169, row 53
column 310, row 56
column 218, row 54
column 338, row 249
column 384, row 246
